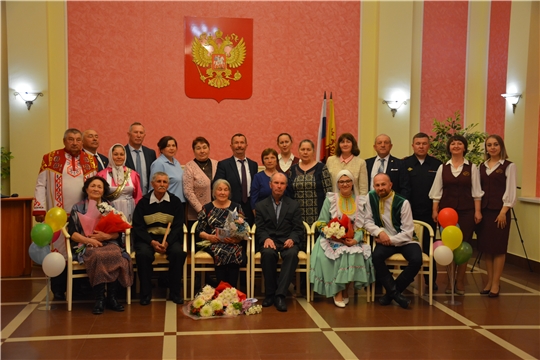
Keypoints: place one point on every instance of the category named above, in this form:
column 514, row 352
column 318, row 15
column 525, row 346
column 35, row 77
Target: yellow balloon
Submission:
column 56, row 218
column 452, row 237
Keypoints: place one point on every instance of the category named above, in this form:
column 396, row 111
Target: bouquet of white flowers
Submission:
column 338, row 229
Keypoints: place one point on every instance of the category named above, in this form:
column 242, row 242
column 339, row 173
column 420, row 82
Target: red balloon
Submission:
column 448, row 217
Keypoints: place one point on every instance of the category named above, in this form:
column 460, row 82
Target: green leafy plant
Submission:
column 452, row 126
column 6, row 158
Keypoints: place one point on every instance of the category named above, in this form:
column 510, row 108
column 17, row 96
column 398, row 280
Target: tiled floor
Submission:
column 478, row 328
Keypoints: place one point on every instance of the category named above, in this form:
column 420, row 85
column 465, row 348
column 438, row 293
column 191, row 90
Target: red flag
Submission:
column 321, row 138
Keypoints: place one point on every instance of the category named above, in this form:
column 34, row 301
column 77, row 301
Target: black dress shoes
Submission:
column 177, row 299
column 401, row 300
column 59, row 296
column 268, row 301
column 279, row 301
column 386, row 299
column 145, row 300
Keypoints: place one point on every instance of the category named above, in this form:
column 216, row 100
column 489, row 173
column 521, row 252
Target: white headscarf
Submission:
column 117, row 170
column 348, row 174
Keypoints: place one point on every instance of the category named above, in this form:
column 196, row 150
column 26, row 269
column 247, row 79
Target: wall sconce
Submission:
column 512, row 99
column 394, row 105
column 28, row 97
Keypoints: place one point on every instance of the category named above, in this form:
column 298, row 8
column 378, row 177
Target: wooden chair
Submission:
column 161, row 263
column 365, row 240
column 303, row 262
column 202, row 262
column 76, row 270
column 397, row 260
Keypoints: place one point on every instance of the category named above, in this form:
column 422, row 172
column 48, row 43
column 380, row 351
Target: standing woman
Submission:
column 197, row 179
column 346, row 158
column 309, row 181
column 169, row 165
column 124, row 183
column 286, row 157
column 457, row 186
column 498, row 179
column 260, row 186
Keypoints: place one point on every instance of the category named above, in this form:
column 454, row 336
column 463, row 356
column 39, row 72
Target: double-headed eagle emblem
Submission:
column 219, row 55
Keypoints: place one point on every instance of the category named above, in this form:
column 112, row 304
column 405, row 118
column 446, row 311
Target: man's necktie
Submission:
column 138, row 165
column 98, row 163
column 244, row 182
column 381, row 167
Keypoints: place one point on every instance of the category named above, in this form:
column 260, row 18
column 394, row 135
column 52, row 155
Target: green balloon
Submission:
column 463, row 253
column 41, row 234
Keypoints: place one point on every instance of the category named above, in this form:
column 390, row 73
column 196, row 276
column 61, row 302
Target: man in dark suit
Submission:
column 386, row 163
column 235, row 169
column 279, row 233
column 421, row 169
column 90, row 145
column 134, row 158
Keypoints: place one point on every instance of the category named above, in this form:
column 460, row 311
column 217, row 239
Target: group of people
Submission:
column 381, row 195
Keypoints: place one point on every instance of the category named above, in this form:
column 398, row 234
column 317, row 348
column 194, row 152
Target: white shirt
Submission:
column 375, row 169
column 509, row 196
column 154, row 199
column 407, row 225
column 285, row 165
column 436, row 191
column 248, row 173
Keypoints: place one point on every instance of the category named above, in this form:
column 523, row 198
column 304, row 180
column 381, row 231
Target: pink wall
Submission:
column 126, row 64
column 499, row 33
column 444, row 51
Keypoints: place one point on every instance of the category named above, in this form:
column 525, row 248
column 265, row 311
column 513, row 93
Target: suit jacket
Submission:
column 105, row 161
column 398, row 175
column 288, row 226
column 149, row 158
column 226, row 169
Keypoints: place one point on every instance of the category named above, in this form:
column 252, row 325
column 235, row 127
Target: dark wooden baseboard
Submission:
column 522, row 262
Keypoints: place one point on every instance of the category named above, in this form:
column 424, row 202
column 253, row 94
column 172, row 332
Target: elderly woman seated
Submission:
column 103, row 254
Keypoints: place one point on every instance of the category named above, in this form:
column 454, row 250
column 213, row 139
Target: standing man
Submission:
column 279, row 233
column 59, row 184
column 389, row 219
column 139, row 157
column 386, row 163
column 239, row 171
column 153, row 213
column 90, row 145
column 421, row 169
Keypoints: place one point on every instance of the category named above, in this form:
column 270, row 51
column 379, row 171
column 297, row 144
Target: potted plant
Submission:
column 452, row 126
column 6, row 157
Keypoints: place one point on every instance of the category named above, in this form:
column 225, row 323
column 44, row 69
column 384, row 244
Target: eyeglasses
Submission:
column 344, row 182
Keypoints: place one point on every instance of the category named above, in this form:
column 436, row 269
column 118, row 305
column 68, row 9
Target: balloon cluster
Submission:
column 452, row 247
column 42, row 235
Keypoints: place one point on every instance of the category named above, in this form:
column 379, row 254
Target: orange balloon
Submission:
column 448, row 217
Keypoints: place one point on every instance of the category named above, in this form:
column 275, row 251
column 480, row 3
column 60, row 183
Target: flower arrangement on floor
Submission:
column 223, row 301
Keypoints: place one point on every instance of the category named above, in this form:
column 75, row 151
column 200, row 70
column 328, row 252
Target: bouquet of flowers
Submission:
column 224, row 301
column 338, row 229
column 235, row 227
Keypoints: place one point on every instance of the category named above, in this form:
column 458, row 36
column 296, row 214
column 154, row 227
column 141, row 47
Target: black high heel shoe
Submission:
column 485, row 292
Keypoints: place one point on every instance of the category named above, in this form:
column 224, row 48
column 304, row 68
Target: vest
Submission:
column 397, row 203
column 494, row 186
column 457, row 191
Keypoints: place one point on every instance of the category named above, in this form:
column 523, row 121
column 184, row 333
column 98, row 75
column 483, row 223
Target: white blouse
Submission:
column 436, row 191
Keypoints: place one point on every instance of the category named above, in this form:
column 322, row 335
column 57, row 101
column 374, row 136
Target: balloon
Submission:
column 436, row 244
column 56, row 218
column 452, row 237
column 447, row 217
column 443, row 255
column 41, row 234
column 56, row 235
column 38, row 253
column 53, row 264
column 463, row 253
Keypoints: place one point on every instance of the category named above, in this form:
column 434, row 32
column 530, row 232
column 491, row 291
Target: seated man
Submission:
column 153, row 213
column 279, row 232
column 389, row 219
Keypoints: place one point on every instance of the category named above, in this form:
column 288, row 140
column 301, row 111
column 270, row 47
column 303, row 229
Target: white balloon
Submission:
column 443, row 255
column 53, row 264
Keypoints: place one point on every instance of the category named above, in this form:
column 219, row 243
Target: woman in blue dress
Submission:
column 338, row 263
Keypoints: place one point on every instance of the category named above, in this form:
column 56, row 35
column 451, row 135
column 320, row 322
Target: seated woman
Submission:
column 124, row 183
column 104, row 256
column 227, row 253
column 260, row 186
column 335, row 264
